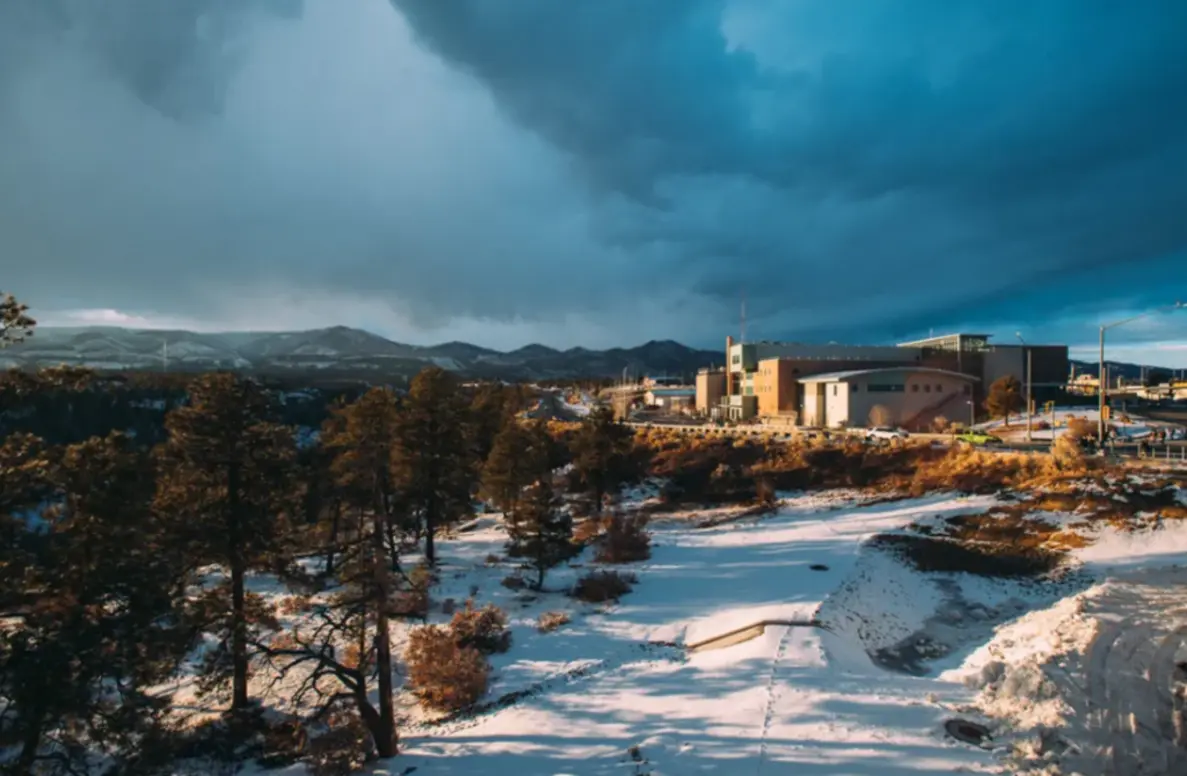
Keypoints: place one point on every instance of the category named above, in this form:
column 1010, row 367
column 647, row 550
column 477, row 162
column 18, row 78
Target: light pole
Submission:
column 972, row 414
column 1105, row 327
column 1018, row 334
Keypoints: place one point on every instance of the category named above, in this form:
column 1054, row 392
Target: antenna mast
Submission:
column 742, row 331
column 165, row 355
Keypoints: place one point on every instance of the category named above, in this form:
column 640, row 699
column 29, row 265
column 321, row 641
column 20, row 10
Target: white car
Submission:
column 886, row 432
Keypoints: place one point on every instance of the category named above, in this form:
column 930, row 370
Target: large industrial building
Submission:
column 837, row 385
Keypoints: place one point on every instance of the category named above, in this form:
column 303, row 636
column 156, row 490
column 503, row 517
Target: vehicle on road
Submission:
column 978, row 438
column 886, row 432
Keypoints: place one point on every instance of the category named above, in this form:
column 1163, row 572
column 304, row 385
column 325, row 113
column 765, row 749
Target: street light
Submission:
column 1018, row 334
column 1104, row 327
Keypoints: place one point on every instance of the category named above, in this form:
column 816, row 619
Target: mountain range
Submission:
column 338, row 350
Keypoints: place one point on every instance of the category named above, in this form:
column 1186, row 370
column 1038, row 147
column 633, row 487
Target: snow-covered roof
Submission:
column 840, row 377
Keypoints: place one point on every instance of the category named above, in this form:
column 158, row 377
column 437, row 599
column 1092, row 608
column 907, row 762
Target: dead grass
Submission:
column 940, row 554
column 550, row 621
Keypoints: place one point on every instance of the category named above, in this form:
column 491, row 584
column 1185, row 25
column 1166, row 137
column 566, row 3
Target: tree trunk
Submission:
column 430, row 536
column 239, row 701
column 333, row 537
column 384, row 731
column 31, row 742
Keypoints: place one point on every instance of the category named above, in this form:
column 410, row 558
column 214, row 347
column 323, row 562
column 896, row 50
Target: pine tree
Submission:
column 490, row 407
column 603, row 455
column 351, row 641
column 435, row 463
column 509, row 468
column 228, row 482
column 97, row 619
column 542, row 533
column 15, row 324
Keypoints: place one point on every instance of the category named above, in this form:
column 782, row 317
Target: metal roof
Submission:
column 673, row 391
column 838, row 377
column 938, row 337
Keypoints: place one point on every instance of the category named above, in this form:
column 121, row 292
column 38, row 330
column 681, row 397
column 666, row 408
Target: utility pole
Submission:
column 1028, row 383
column 1103, row 378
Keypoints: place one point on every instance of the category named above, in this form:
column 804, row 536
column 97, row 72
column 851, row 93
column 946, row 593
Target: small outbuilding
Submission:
column 903, row 396
column 674, row 399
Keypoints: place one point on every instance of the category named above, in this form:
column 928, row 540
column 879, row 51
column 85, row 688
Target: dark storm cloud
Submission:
column 595, row 172
column 902, row 159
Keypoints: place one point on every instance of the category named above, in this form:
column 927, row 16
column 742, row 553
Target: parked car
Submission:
column 978, row 438
column 886, row 432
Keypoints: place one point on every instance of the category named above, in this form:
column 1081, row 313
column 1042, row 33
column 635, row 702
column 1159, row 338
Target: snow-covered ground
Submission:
column 899, row 653
column 1135, row 428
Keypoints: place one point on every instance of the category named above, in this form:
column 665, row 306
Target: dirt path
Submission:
column 1129, row 671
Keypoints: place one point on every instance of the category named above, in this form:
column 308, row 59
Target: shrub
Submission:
column 514, row 582
column 625, row 540
column 550, row 621
column 1067, row 455
column 598, row 586
column 414, row 601
column 1080, row 428
column 296, row 604
column 765, row 492
column 483, row 629
column 442, row 674
column 343, row 749
column 587, row 530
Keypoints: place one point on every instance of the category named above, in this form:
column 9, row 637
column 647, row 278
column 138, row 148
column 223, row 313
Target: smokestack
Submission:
column 729, row 373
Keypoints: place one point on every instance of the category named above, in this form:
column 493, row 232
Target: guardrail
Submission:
column 767, row 431
column 1171, row 450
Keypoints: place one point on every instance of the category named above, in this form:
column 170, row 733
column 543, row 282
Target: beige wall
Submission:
column 776, row 387
column 923, row 392
column 710, row 389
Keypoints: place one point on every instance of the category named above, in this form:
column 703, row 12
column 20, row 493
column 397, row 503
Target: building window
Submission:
column 736, row 360
column 834, row 389
column 853, row 387
column 915, row 388
column 939, row 387
column 887, row 388
column 927, row 388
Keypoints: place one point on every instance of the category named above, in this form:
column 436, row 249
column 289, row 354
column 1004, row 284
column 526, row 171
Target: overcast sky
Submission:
column 600, row 172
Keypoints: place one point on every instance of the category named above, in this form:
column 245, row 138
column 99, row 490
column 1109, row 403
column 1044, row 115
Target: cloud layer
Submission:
column 597, row 172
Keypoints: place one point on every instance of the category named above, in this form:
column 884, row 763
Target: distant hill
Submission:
column 338, row 349
column 1131, row 373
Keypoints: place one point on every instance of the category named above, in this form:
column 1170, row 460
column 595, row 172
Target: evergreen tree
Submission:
column 97, row 619
column 15, row 324
column 542, row 532
column 358, row 616
column 435, row 463
column 228, row 482
column 489, row 408
column 509, row 468
column 603, row 455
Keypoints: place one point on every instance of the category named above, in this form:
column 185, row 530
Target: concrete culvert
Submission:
column 968, row 732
